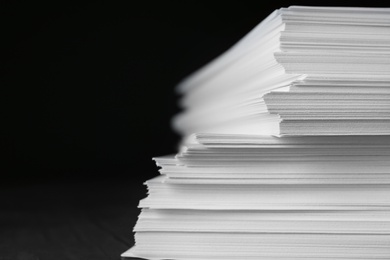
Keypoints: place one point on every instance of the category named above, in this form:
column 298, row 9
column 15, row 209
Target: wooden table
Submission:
column 85, row 220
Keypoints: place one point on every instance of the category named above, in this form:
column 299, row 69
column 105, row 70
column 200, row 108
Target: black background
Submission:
column 88, row 94
column 92, row 85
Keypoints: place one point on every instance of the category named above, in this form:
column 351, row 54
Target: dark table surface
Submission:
column 86, row 220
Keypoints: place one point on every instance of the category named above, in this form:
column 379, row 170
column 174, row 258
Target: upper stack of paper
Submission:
column 302, row 71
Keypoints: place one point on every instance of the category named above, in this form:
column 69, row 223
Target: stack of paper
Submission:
column 286, row 147
column 302, row 71
column 263, row 197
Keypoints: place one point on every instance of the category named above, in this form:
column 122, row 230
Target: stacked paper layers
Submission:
column 302, row 71
column 263, row 197
column 294, row 157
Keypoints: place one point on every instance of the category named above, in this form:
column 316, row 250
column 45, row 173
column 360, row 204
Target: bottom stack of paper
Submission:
column 263, row 197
